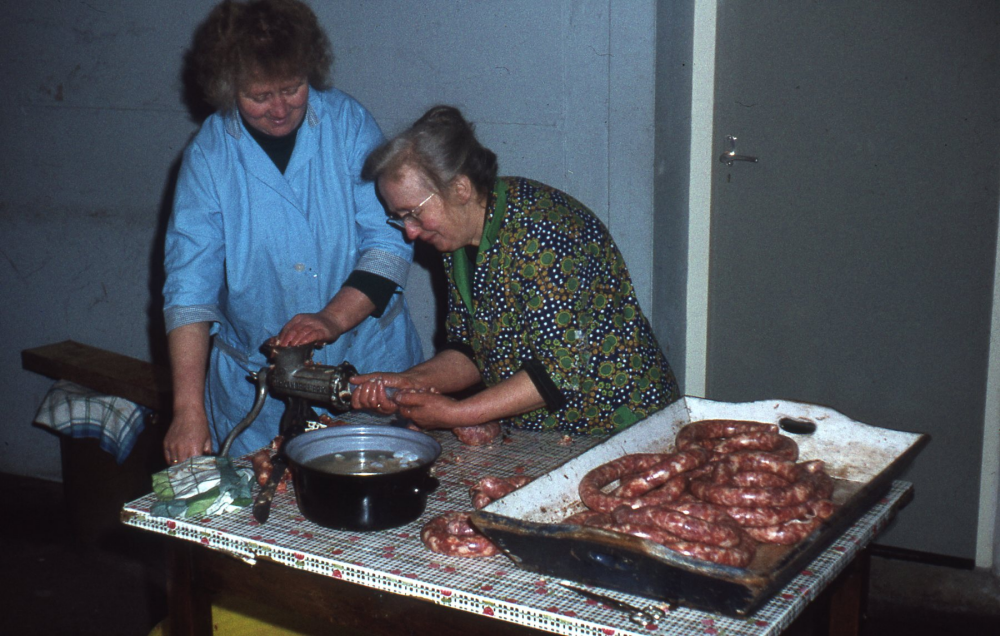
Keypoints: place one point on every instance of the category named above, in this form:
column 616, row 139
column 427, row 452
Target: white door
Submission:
column 852, row 264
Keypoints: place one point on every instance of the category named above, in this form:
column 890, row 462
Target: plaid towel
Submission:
column 77, row 411
column 201, row 487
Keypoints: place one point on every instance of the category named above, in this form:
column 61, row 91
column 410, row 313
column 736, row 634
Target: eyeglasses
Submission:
column 405, row 218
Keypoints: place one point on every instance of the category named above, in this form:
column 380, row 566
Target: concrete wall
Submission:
column 672, row 162
column 563, row 91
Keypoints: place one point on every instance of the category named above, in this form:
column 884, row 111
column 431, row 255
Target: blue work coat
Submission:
column 248, row 247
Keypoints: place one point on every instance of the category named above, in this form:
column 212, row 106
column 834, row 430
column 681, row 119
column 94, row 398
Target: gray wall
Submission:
column 674, row 33
column 95, row 124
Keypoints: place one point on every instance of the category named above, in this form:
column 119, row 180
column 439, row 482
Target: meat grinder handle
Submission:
column 258, row 404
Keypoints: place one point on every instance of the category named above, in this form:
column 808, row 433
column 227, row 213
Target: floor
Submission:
column 115, row 583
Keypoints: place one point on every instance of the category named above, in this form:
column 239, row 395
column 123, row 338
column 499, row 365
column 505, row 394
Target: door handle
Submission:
column 729, row 157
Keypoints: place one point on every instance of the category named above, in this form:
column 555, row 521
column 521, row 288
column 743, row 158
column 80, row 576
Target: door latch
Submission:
column 729, row 157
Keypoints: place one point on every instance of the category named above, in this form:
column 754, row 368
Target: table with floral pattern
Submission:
column 396, row 560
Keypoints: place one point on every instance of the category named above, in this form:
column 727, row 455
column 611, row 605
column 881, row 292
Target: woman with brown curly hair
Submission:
column 273, row 231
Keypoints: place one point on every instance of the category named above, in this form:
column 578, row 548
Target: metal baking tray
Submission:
column 862, row 459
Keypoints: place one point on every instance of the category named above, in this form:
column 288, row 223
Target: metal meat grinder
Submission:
column 294, row 375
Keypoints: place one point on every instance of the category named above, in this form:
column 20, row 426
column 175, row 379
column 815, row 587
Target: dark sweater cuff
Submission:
column 378, row 289
column 554, row 399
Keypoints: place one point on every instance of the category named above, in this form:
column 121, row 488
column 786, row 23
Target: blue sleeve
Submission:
column 195, row 247
column 383, row 248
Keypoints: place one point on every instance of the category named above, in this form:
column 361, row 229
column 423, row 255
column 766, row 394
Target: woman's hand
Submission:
column 306, row 328
column 187, row 436
column 429, row 409
column 344, row 312
column 371, row 393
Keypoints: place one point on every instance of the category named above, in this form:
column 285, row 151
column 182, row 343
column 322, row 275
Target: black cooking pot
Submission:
column 366, row 499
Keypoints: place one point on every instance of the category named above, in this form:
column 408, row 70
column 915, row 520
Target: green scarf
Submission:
column 463, row 268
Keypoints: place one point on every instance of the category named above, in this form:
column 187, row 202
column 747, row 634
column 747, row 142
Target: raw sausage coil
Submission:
column 739, row 555
column 804, row 482
column 673, row 464
column 767, row 515
column 453, row 535
column 758, row 478
column 489, row 489
column 644, row 481
column 770, row 442
column 794, row 530
column 702, row 523
column 709, row 433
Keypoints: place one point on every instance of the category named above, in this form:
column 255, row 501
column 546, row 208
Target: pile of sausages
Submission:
column 451, row 533
column 728, row 486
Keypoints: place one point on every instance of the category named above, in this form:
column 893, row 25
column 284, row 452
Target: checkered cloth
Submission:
column 77, row 411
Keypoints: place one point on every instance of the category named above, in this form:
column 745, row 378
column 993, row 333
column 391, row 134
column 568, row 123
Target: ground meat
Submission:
column 452, row 534
column 479, row 435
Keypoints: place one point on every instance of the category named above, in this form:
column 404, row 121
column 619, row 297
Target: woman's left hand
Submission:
column 430, row 409
column 307, row 328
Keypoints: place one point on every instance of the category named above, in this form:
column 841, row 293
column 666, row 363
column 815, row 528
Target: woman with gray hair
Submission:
column 273, row 232
column 542, row 316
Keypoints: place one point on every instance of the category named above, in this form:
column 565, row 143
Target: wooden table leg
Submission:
column 849, row 597
column 189, row 606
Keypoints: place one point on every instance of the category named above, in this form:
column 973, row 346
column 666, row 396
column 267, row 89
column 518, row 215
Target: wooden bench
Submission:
column 104, row 371
column 95, row 486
